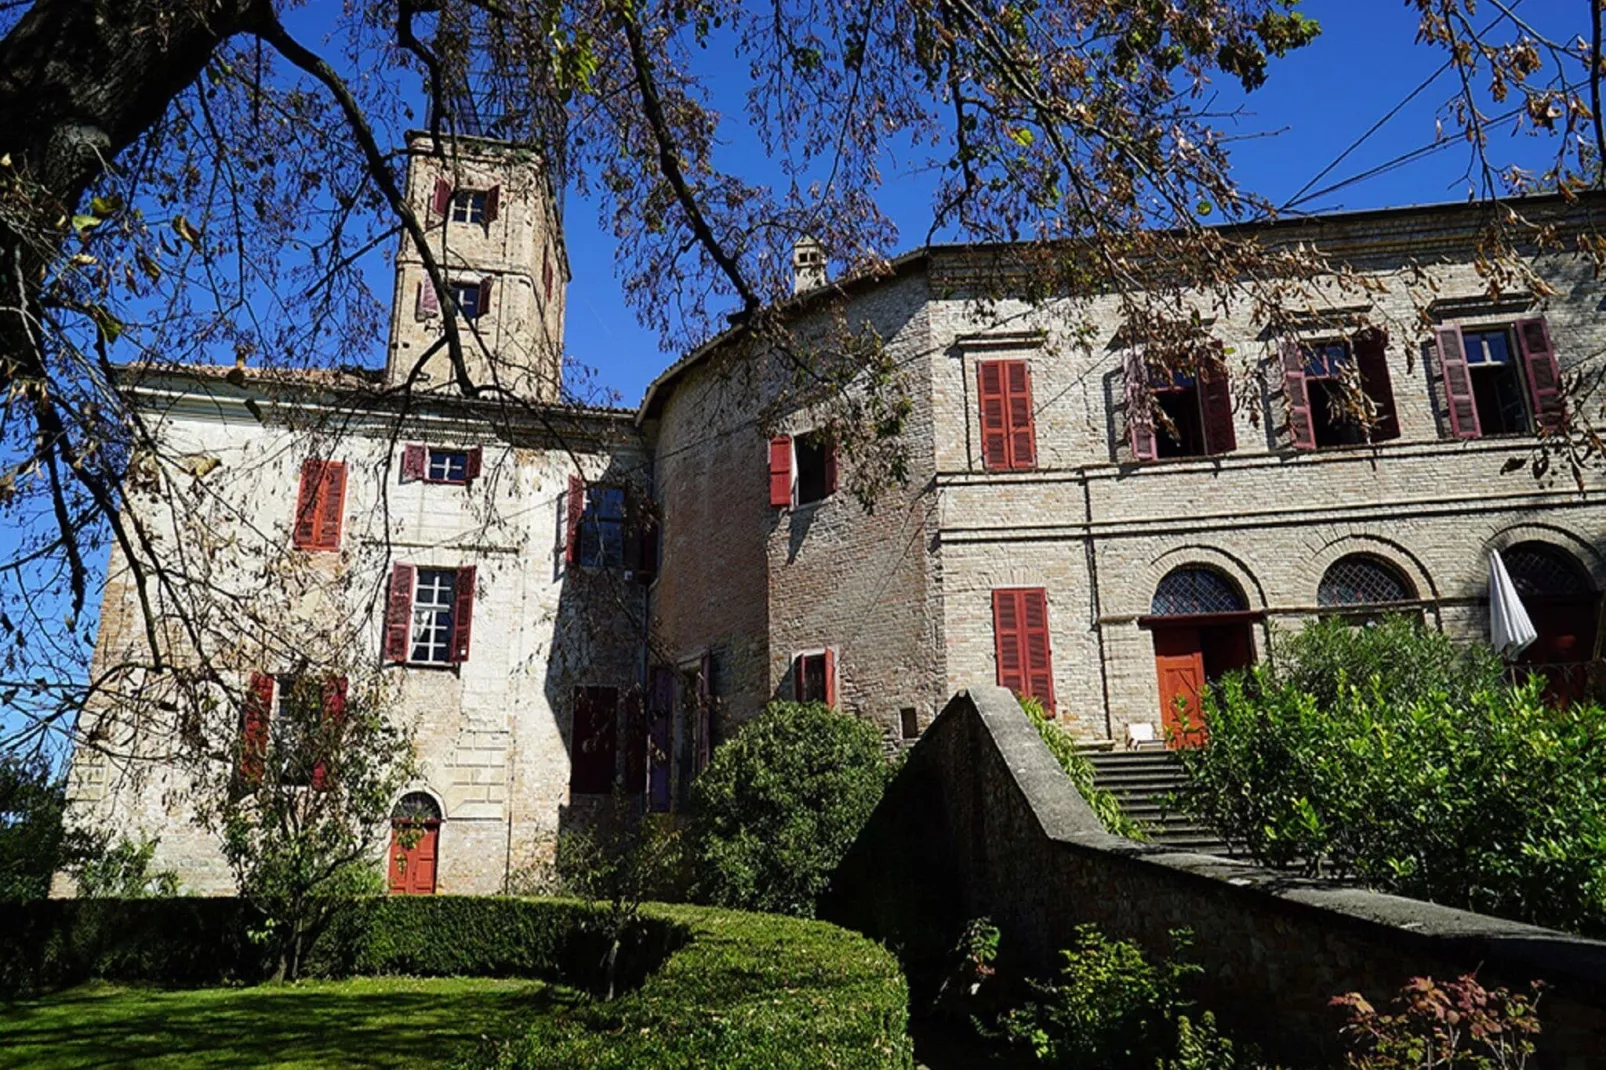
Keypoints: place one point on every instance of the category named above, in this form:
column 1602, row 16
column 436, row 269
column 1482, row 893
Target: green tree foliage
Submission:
column 1391, row 755
column 33, row 841
column 780, row 803
column 123, row 870
column 1080, row 770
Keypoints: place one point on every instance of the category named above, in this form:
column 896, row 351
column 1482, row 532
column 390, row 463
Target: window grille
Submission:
column 1190, row 590
column 432, row 616
column 1538, row 571
column 1362, row 580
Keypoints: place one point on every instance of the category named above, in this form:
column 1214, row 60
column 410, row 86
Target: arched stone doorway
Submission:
column 415, row 826
column 1564, row 605
column 1200, row 620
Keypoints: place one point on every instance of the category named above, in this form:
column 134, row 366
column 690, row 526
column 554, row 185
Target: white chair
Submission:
column 1141, row 735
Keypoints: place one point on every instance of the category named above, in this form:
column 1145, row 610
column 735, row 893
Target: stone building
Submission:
column 576, row 603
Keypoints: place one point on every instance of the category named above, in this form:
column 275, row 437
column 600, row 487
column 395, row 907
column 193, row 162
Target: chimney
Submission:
column 808, row 265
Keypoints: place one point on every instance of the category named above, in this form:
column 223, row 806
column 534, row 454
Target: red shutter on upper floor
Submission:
column 1018, row 411
column 462, row 613
column 993, row 406
column 546, row 274
column 1296, row 395
column 1544, row 372
column 471, row 469
column 254, row 721
column 331, row 506
column 576, row 505
column 429, row 302
column 485, row 297
column 781, row 471
column 415, row 461
column 830, row 677
column 1139, row 408
column 442, row 197
column 1458, row 396
column 1020, row 637
column 332, row 728
column 493, row 204
column 1372, row 361
column 1215, row 403
column 304, row 528
column 399, row 614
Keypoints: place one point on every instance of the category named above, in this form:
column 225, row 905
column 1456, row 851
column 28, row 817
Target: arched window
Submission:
column 1540, row 571
column 1195, row 589
column 1363, row 580
column 416, row 806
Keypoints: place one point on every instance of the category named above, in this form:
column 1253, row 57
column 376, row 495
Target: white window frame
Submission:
column 433, row 622
column 467, row 206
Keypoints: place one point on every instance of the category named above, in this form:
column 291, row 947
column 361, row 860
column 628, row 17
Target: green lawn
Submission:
column 376, row 1022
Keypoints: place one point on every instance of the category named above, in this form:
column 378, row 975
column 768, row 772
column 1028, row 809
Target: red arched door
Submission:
column 1564, row 607
column 415, row 827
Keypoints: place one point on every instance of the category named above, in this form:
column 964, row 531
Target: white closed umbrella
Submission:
column 1510, row 630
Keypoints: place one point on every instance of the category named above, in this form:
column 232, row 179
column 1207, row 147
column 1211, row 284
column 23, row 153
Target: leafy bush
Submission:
column 1411, row 766
column 1114, row 1009
column 1458, row 1024
column 123, row 871
column 747, row 992
column 780, row 803
column 1079, row 768
column 34, row 842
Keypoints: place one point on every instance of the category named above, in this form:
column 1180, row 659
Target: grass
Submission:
column 368, row 1022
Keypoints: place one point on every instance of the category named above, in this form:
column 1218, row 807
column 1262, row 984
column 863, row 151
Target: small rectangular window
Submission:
column 468, row 206
column 293, row 727
column 1498, row 387
column 447, row 466
column 909, row 722
column 602, row 528
column 466, row 296
column 433, row 600
column 1333, row 421
column 815, row 467
column 1178, row 423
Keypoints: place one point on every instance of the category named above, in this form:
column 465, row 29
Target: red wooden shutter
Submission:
column 1215, row 404
column 493, row 203
column 442, row 197
column 471, row 470
column 331, row 505
column 1296, row 393
column 399, row 614
column 304, row 531
column 485, row 297
column 462, row 613
column 1022, row 421
column 1039, row 664
column 429, row 301
column 1544, row 373
column 830, row 677
column 254, row 726
column 1371, row 360
column 993, row 405
column 1458, row 397
column 576, row 509
column 1139, row 409
column 330, row 731
column 781, row 471
column 1007, row 640
column 415, row 461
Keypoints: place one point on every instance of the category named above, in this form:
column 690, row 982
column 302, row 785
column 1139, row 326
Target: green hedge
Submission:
column 746, row 991
column 714, row 987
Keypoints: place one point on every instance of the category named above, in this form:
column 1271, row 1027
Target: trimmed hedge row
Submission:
column 746, row 991
column 714, row 987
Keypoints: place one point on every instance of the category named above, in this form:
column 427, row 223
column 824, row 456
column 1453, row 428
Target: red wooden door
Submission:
column 1179, row 665
column 412, row 868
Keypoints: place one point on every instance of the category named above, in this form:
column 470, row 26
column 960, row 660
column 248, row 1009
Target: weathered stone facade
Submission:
column 898, row 601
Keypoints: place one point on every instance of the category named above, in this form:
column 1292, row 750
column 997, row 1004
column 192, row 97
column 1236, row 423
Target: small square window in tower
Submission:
column 1497, row 385
column 815, row 458
column 814, row 677
column 472, row 298
column 468, row 206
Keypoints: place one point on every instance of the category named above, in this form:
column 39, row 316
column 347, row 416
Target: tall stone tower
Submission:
column 490, row 218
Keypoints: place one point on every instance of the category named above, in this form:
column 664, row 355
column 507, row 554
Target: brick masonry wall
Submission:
column 981, row 821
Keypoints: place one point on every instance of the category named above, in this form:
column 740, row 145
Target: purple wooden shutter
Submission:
column 462, row 613
column 399, row 614
column 1296, row 394
column 1372, row 361
column 442, row 197
column 415, row 461
column 1544, row 373
column 1215, row 403
column 576, row 510
column 661, row 712
column 1139, row 411
column 485, row 297
column 471, row 469
column 493, row 203
column 1458, row 397
column 429, row 302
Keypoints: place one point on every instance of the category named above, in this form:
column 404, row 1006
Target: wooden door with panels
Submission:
column 1179, row 665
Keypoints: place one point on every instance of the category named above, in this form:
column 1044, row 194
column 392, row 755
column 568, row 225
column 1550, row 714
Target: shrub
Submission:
column 1427, row 776
column 123, row 871
column 1079, row 768
column 780, row 803
column 34, row 841
column 1456, row 1024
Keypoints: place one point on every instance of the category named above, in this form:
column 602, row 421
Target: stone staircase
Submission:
column 1139, row 780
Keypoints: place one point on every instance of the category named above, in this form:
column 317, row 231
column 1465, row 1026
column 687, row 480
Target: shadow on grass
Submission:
column 369, row 1022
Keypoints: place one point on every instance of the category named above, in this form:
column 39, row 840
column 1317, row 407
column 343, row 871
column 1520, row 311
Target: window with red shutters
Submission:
column 331, row 729
column 781, row 471
column 1008, row 426
column 593, row 744
column 814, row 676
column 320, row 503
column 1544, row 372
column 574, row 510
column 399, row 614
column 254, row 727
column 462, row 613
column 1020, row 636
